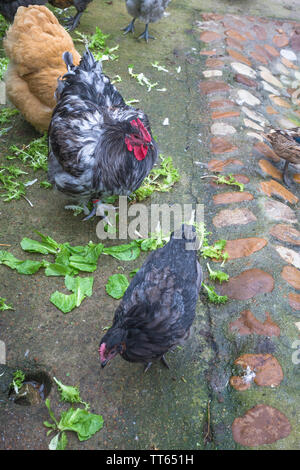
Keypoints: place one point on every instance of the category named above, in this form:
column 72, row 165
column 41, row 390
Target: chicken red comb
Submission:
column 101, row 351
column 137, row 123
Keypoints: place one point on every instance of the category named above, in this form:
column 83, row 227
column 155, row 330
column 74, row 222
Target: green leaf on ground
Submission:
column 70, row 394
column 213, row 296
column 125, row 252
column 217, row 275
column 117, row 285
column 230, row 180
column 22, row 267
column 4, row 306
column 81, row 421
column 160, row 179
column 80, row 286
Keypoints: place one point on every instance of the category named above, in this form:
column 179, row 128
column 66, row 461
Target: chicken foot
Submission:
column 145, row 35
column 73, row 22
column 129, row 28
column 163, row 360
column 285, row 177
column 99, row 210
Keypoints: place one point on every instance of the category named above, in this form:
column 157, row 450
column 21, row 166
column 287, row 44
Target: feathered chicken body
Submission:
column 286, row 144
column 158, row 308
column 147, row 11
column 8, row 8
column 34, row 44
column 97, row 144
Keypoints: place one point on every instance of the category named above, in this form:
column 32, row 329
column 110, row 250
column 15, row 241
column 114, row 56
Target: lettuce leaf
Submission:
column 22, row 267
column 126, row 252
column 117, row 285
column 80, row 286
column 79, row 420
column 70, row 394
column 46, row 246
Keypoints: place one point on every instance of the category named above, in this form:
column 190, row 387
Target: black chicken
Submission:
column 8, row 8
column 147, row 11
column 158, row 308
column 98, row 146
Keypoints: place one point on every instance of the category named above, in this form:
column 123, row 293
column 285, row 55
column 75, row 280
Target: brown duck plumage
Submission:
column 286, row 144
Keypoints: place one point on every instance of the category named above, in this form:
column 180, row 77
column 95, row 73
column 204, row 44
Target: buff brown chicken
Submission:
column 35, row 43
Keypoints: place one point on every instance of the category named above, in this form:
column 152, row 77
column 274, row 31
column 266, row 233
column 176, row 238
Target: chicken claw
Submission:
column 145, row 35
column 73, row 22
column 129, row 28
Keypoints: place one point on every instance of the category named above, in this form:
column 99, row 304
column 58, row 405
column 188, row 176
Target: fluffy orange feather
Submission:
column 34, row 44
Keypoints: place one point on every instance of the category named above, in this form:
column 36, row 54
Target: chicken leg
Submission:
column 99, row 210
column 285, row 177
column 145, row 35
column 129, row 28
column 163, row 360
column 73, row 22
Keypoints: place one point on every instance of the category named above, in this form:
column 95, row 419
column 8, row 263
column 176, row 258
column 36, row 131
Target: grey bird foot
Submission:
column 129, row 28
column 163, row 360
column 285, row 176
column 145, row 35
column 147, row 367
column 73, row 22
column 286, row 181
column 91, row 214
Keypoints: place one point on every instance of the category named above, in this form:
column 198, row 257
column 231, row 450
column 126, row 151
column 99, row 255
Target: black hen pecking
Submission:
column 8, row 8
column 147, row 11
column 98, row 146
column 158, row 308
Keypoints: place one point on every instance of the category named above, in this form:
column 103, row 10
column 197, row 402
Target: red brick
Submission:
column 248, row 324
column 219, row 165
column 294, row 301
column 292, row 276
column 214, row 63
column 272, row 50
column 221, row 145
column 245, row 80
column 227, row 217
column 209, row 87
column 232, row 33
column 212, row 16
column 248, row 284
column 259, row 32
column 208, row 52
column 295, row 40
column 221, row 103
column 224, row 114
column 280, row 40
column 272, row 187
column 259, row 57
column 232, row 197
column 286, row 233
column 242, row 247
column 234, row 43
column 271, row 170
column 209, row 36
column 239, row 57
